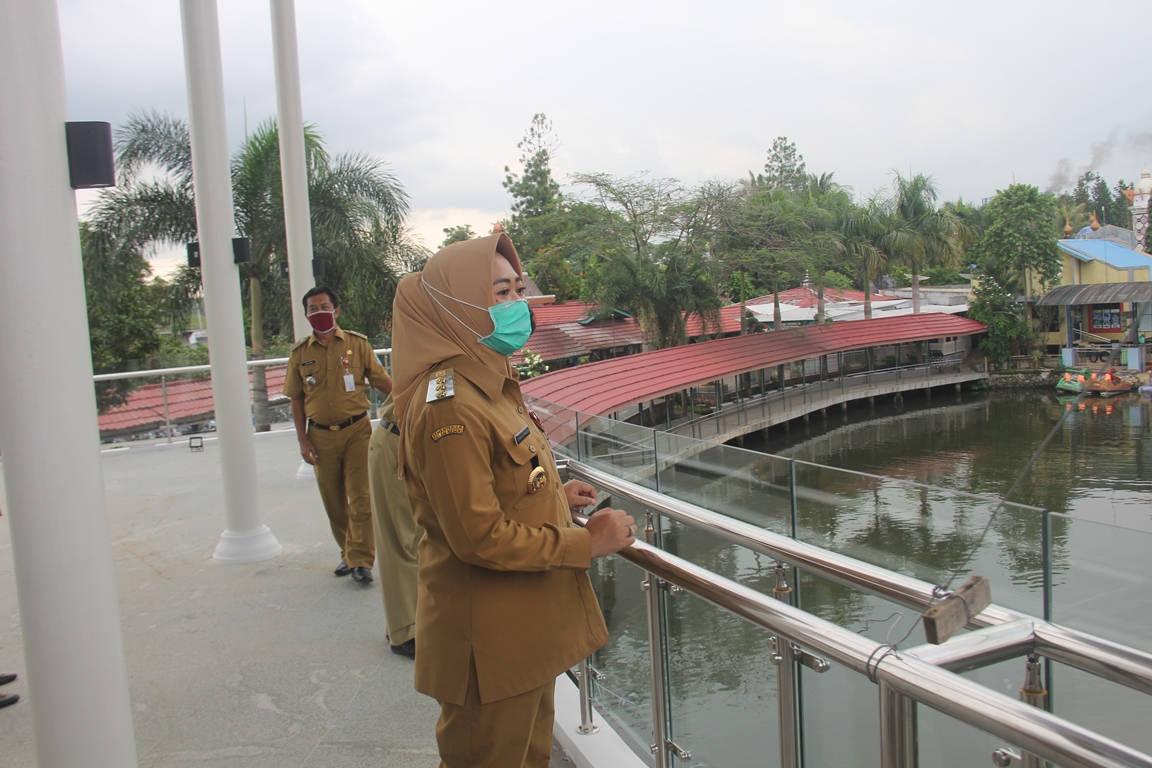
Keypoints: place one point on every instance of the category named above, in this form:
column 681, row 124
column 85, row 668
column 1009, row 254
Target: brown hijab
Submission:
column 424, row 331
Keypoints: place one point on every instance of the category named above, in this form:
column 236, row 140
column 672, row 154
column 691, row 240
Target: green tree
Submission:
column 784, row 168
column 122, row 318
column 1019, row 247
column 996, row 307
column 357, row 211
column 535, row 193
column 649, row 266
column 919, row 234
column 457, row 234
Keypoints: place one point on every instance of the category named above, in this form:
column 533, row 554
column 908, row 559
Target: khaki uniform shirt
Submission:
column 316, row 373
column 503, row 569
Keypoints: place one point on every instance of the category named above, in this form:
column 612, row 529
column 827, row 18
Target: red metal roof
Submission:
column 606, row 386
column 188, row 400
column 729, row 323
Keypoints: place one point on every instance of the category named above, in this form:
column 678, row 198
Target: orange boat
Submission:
column 1108, row 384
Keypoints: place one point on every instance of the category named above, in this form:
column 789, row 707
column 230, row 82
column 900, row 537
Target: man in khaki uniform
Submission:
column 327, row 381
column 397, row 534
column 505, row 604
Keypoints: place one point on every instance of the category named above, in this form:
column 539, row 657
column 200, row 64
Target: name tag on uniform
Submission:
column 349, row 383
column 522, row 435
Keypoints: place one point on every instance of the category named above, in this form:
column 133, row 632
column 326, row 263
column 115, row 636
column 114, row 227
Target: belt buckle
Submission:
column 334, row 428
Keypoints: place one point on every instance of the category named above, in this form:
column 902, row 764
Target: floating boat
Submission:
column 1108, row 384
column 1074, row 380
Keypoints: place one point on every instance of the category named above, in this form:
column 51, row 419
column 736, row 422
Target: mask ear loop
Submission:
column 429, row 289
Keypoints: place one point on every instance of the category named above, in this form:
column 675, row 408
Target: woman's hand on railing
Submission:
column 612, row 530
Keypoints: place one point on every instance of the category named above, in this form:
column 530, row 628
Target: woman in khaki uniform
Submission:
column 505, row 604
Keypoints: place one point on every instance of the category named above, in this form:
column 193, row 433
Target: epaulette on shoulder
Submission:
column 299, row 344
column 356, row 333
column 441, row 386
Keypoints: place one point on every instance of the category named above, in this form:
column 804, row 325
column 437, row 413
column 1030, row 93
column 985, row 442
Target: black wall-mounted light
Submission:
column 284, row 270
column 317, row 267
column 90, row 158
column 241, row 250
column 194, row 255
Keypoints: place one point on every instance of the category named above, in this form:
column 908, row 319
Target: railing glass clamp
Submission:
column 1004, row 758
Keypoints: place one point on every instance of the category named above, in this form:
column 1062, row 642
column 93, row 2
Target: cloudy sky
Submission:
column 977, row 94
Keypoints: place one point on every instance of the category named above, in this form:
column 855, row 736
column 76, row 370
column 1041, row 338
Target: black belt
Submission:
column 390, row 427
column 342, row 425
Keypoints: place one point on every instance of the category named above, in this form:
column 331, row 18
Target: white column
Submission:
column 246, row 539
column 69, row 615
column 293, row 172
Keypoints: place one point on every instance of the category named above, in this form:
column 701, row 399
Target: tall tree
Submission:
column 1018, row 246
column 919, row 233
column 535, row 193
column 457, row 234
column 648, row 266
column 122, row 318
column 357, row 209
column 785, row 167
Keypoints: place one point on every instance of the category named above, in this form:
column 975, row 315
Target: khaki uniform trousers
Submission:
column 342, row 477
column 511, row 733
column 397, row 536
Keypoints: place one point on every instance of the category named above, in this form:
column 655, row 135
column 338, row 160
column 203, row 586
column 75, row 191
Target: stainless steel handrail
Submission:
column 1040, row 733
column 153, row 373
column 1111, row 661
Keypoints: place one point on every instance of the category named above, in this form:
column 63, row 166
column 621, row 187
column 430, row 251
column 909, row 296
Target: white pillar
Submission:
column 69, row 615
column 246, row 539
column 293, row 172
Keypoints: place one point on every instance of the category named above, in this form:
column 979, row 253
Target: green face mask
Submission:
column 512, row 325
column 511, row 322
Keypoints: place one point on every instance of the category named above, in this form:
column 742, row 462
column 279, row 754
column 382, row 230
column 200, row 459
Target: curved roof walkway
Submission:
column 609, row 385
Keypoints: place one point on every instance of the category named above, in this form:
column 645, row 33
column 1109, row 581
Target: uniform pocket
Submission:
column 534, row 485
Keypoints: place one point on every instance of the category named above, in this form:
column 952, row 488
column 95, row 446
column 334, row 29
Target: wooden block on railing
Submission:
column 953, row 612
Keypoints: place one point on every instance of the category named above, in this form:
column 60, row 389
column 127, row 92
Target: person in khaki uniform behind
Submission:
column 397, row 534
column 327, row 382
column 505, row 603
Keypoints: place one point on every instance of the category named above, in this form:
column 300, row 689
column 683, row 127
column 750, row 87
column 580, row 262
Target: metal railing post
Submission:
column 656, row 671
column 786, row 691
column 1035, row 693
column 897, row 729
column 586, row 726
column 167, row 417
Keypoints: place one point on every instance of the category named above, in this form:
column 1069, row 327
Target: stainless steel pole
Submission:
column 246, row 540
column 73, row 646
column 656, row 659
column 786, row 692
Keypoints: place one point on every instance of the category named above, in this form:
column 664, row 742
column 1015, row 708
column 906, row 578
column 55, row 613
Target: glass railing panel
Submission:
column 923, row 531
column 621, row 689
column 1112, row 710
column 721, row 686
column 622, row 449
column 1100, row 575
column 945, row 742
column 752, row 487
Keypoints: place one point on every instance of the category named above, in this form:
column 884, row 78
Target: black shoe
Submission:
column 10, row 698
column 362, row 574
column 405, row 649
column 342, row 569
column 7, row 678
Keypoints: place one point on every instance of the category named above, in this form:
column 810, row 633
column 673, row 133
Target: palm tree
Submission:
column 357, row 210
column 918, row 233
column 650, row 263
column 863, row 228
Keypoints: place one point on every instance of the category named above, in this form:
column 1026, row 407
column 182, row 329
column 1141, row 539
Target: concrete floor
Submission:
column 273, row 664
